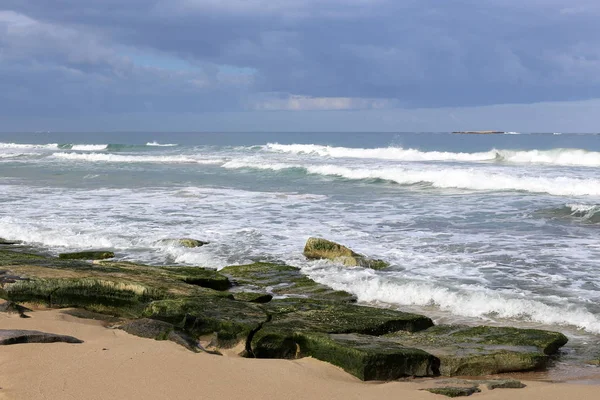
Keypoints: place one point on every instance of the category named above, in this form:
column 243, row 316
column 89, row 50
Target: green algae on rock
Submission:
column 317, row 248
column 484, row 350
column 87, row 255
column 253, row 297
column 283, row 280
column 232, row 321
column 159, row 330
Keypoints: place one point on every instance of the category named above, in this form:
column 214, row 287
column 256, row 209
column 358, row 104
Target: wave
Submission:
column 589, row 213
column 370, row 287
column 117, row 158
column 89, row 147
column 564, row 157
column 28, row 146
column 155, row 143
column 385, row 153
column 459, row 178
column 17, row 155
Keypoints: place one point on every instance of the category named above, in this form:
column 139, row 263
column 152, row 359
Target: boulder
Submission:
column 317, row 248
column 13, row 336
column 484, row 350
column 87, row 255
column 184, row 242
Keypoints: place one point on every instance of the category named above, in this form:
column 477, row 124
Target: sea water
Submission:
column 495, row 229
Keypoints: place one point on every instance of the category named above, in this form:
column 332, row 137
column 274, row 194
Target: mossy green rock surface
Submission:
column 317, row 248
column 283, row 280
column 484, row 350
column 232, row 321
column 253, row 297
column 367, row 357
column 87, row 255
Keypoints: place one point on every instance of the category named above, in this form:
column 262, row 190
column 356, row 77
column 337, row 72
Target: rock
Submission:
column 317, row 248
column 367, row 357
column 87, row 255
column 13, row 336
column 484, row 350
column 206, row 278
column 253, row 297
column 283, row 280
column 232, row 321
column 343, row 334
column 451, row 391
column 184, row 242
column 159, row 330
column 505, row 384
column 9, row 242
column 13, row 308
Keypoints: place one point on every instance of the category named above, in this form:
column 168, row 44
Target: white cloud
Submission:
column 306, row 103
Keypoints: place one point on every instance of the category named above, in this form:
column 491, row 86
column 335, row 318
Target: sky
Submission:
column 300, row 65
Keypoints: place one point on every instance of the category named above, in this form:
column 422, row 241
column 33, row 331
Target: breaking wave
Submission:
column 155, row 143
column 28, row 146
column 459, row 178
column 566, row 157
column 117, row 158
column 370, row 287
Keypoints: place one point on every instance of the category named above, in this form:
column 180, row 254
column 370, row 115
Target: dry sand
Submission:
column 112, row 364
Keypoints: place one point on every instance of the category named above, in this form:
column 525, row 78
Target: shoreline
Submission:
column 112, row 364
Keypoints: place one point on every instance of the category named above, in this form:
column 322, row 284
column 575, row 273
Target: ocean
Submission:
column 479, row 229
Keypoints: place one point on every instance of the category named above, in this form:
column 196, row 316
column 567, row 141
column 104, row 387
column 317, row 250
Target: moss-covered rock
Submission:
column 14, row 308
column 9, row 242
column 184, row 242
column 283, row 280
column 118, row 288
column 452, row 391
column 159, row 330
column 253, row 297
column 232, row 321
column 505, row 384
column 366, row 357
column 206, row 278
column 484, row 350
column 337, row 333
column 317, row 248
column 87, row 255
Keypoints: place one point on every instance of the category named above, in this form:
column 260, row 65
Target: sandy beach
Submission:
column 112, row 364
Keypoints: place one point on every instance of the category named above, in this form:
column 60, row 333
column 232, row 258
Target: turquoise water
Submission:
column 478, row 228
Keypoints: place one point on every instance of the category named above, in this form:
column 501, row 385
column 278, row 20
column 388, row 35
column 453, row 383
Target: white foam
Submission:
column 512, row 133
column 28, row 146
column 459, row 178
column 155, row 143
column 474, row 302
column 566, row 157
column 386, row 153
column 118, row 158
column 89, row 147
column 17, row 155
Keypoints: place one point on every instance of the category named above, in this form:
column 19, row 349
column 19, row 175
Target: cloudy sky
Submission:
column 374, row 65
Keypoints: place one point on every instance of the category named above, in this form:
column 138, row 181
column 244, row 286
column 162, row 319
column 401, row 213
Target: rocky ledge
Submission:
column 271, row 310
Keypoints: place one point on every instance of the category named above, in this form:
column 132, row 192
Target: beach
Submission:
column 112, row 364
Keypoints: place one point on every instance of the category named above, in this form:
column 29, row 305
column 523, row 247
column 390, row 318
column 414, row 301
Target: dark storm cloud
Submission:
column 81, row 54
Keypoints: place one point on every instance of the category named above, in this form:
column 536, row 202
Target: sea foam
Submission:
column 118, row 158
